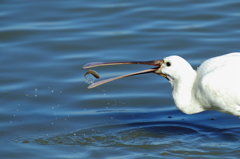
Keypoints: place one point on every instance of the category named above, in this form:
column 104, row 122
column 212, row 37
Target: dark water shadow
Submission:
column 142, row 134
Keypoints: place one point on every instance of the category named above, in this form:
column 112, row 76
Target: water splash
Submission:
column 89, row 78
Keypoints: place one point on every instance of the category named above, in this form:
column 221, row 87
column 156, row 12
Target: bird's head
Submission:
column 171, row 68
column 174, row 68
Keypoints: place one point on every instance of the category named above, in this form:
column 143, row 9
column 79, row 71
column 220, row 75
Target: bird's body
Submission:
column 215, row 85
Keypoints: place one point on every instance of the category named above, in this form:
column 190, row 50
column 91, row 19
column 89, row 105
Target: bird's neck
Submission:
column 183, row 93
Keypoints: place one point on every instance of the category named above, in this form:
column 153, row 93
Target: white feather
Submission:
column 214, row 86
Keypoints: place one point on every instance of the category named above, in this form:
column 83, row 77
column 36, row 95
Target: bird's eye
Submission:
column 168, row 64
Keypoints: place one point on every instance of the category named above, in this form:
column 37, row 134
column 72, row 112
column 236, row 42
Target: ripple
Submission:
column 167, row 138
column 140, row 134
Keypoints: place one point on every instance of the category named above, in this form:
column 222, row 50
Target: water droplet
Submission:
column 89, row 78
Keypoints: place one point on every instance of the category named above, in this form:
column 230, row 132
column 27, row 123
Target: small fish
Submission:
column 94, row 73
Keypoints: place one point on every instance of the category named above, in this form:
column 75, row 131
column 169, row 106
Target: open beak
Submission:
column 156, row 63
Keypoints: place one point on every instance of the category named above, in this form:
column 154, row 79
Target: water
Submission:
column 46, row 110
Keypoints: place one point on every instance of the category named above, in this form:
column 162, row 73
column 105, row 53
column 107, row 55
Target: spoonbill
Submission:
column 215, row 85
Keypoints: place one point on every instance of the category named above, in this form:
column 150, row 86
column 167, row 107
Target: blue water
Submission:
column 46, row 110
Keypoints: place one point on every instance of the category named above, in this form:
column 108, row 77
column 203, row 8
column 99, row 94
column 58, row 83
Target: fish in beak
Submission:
column 157, row 69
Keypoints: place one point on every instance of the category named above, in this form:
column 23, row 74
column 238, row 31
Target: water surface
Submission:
column 46, row 110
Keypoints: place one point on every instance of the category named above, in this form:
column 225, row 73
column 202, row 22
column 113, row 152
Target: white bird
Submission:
column 214, row 86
